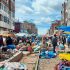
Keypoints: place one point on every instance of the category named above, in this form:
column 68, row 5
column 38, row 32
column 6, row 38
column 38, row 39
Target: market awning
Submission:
column 21, row 34
column 6, row 34
column 64, row 28
column 67, row 32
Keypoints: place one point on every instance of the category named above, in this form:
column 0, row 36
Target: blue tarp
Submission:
column 64, row 28
column 11, row 46
column 47, row 54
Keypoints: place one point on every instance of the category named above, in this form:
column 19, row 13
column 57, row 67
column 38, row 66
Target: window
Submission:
column 0, row 5
column 13, row 14
column 5, row 8
column 0, row 17
column 5, row 19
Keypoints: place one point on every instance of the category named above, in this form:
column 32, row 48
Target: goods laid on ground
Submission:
column 64, row 56
column 26, row 53
column 5, row 55
column 36, row 48
column 65, row 62
column 47, row 54
column 63, row 65
column 20, row 46
column 30, row 61
column 13, row 66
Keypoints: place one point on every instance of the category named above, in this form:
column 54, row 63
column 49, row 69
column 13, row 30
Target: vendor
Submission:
column 1, row 40
column 9, row 43
column 29, row 48
column 50, row 47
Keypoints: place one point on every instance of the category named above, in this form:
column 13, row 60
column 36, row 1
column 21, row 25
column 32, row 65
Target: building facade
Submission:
column 54, row 26
column 68, row 12
column 7, row 15
column 25, row 27
column 30, row 27
column 64, row 14
column 17, row 27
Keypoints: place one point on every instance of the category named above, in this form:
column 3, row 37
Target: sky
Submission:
column 40, row 12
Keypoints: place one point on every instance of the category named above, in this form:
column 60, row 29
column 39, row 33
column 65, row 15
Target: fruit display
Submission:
column 64, row 56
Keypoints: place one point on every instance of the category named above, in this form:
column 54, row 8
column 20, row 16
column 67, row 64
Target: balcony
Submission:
column 4, row 25
column 4, row 13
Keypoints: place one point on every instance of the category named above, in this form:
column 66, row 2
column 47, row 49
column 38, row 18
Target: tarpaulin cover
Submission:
column 64, row 28
column 47, row 54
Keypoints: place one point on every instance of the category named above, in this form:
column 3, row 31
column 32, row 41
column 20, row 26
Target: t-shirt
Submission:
column 54, row 40
column 61, row 46
column 29, row 49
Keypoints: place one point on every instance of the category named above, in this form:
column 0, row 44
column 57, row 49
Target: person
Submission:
column 9, row 43
column 29, row 42
column 4, row 41
column 61, row 46
column 68, row 41
column 18, row 39
column 63, row 40
column 29, row 48
column 54, row 42
column 1, row 40
column 50, row 48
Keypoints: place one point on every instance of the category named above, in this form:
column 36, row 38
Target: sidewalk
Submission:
column 48, row 64
column 30, row 61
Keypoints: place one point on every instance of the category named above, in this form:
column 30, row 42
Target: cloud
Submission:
column 47, row 5
column 39, row 12
column 42, row 20
column 24, row 9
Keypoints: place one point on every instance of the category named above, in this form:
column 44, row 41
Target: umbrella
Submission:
column 67, row 32
column 21, row 34
column 64, row 28
column 9, row 34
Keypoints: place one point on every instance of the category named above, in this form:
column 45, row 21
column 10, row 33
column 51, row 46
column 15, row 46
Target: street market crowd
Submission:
column 49, row 43
column 49, row 46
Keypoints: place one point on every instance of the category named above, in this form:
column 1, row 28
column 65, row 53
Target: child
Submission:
column 50, row 48
column 61, row 46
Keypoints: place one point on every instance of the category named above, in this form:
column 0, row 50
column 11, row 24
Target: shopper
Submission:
column 54, row 43
column 63, row 40
column 9, row 43
column 68, row 41
column 1, row 40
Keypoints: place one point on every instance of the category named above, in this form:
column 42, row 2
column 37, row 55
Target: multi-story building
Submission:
column 25, row 27
column 17, row 27
column 68, row 12
column 7, row 15
column 30, row 27
column 54, row 26
column 64, row 14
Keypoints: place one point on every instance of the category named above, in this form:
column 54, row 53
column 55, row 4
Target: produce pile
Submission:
column 13, row 66
column 64, row 64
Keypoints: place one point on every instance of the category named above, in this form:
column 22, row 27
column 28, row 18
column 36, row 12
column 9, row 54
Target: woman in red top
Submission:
column 29, row 48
